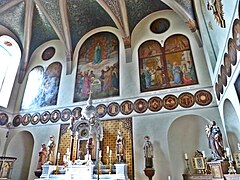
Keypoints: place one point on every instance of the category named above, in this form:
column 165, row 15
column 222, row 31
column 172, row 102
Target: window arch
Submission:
column 10, row 54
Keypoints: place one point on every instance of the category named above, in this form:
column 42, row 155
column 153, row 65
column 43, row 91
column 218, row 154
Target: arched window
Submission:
column 10, row 54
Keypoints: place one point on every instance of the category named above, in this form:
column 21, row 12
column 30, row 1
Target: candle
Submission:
column 68, row 150
column 186, row 156
column 203, row 153
column 58, row 156
column 100, row 153
column 169, row 177
column 110, row 154
column 107, row 149
column 64, row 158
column 238, row 145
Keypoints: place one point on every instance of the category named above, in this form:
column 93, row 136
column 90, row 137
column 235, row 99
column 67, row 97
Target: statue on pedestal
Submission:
column 42, row 156
column 148, row 152
column 215, row 141
column 51, row 148
column 120, row 145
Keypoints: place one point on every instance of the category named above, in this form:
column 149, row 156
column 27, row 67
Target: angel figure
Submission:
column 217, row 7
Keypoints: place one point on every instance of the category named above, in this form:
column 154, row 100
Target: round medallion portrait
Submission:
column 170, row 102
column 236, row 33
column 45, row 117
column 227, row 64
column 3, row 119
column 223, row 73
column 186, row 100
column 17, row 120
column 220, row 84
column 160, row 25
column 155, row 104
column 65, row 115
column 55, row 116
column 232, row 51
column 101, row 110
column 217, row 91
column 35, row 118
column 48, row 53
column 77, row 112
column 26, row 119
column 126, row 107
column 140, row 105
column 203, row 97
column 113, row 109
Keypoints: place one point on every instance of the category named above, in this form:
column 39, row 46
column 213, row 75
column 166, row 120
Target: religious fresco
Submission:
column 42, row 87
column 168, row 66
column 98, row 68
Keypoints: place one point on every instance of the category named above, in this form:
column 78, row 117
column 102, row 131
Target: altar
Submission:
column 86, row 156
column 83, row 172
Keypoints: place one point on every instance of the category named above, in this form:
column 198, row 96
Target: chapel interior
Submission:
column 90, row 74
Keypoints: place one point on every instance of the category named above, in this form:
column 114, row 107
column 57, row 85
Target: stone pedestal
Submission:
column 121, row 171
column 47, row 169
column 218, row 168
column 149, row 172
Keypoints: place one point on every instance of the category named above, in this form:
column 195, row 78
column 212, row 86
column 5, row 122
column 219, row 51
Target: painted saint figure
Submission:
column 42, row 156
column 215, row 141
column 51, row 148
column 148, row 152
column 177, row 73
column 120, row 145
column 97, row 55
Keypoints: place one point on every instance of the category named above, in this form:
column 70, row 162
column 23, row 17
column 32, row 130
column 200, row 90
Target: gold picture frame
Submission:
column 198, row 163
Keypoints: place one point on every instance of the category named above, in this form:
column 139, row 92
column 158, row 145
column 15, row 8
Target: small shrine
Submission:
column 219, row 166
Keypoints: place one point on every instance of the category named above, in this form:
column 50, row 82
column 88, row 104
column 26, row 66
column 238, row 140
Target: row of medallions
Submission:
column 154, row 104
column 229, row 59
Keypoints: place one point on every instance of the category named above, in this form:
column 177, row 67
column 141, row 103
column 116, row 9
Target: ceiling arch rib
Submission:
column 9, row 5
column 27, row 39
column 186, row 16
column 67, row 34
column 59, row 22
column 113, row 10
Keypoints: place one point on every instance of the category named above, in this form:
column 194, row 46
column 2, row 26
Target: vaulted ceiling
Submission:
column 35, row 22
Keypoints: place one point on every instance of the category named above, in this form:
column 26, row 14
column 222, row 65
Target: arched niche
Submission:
column 21, row 147
column 232, row 124
column 186, row 134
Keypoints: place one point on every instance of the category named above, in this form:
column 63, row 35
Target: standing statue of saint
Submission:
column 215, row 141
column 51, row 148
column 148, row 152
column 42, row 156
column 120, row 145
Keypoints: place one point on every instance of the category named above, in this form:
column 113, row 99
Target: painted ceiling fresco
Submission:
column 35, row 22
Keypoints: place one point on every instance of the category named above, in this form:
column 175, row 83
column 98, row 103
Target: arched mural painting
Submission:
column 42, row 87
column 98, row 67
column 168, row 66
